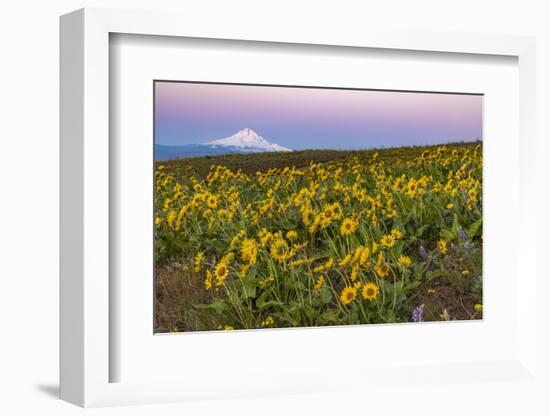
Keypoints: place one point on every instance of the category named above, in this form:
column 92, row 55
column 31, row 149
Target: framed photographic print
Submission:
column 367, row 209
column 285, row 213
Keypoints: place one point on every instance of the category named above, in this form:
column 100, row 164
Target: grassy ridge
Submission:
column 251, row 163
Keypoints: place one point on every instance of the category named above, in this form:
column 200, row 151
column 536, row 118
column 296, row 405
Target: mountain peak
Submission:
column 247, row 131
column 247, row 139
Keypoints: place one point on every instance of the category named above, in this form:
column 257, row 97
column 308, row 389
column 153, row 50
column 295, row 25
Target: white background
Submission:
column 137, row 60
column 29, row 205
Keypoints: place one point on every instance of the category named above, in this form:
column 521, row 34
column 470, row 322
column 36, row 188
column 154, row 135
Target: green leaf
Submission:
column 456, row 226
column 249, row 291
column 474, row 229
column 433, row 275
column 447, row 235
column 329, row 316
column 413, row 285
column 260, row 302
column 269, row 304
column 421, row 230
column 325, row 295
column 219, row 306
column 309, row 312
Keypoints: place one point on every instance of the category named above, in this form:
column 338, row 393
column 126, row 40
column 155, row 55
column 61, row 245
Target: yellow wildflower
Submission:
column 265, row 237
column 280, row 250
column 348, row 295
column 208, row 280
column 396, row 234
column 198, row 261
column 268, row 322
column 382, row 268
column 319, row 283
column 370, row 291
column 387, row 241
column 442, row 246
column 345, row 261
column 349, row 225
column 292, row 235
column 212, row 201
column 249, row 251
column 404, row 261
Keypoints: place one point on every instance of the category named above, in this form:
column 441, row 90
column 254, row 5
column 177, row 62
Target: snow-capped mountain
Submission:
column 244, row 141
column 249, row 140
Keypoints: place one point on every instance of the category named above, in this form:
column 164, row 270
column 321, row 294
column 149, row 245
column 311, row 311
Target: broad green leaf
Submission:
column 474, row 229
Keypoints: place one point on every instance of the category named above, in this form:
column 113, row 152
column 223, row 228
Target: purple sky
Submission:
column 313, row 118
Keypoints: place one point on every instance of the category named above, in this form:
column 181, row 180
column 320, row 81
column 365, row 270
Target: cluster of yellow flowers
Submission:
column 313, row 238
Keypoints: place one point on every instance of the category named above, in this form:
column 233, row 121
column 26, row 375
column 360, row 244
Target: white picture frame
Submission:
column 86, row 356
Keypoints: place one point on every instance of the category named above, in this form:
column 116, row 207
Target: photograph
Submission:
column 279, row 206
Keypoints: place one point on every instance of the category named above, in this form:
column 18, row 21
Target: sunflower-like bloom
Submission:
column 404, row 261
column 370, row 291
column 228, row 258
column 220, row 273
column 387, row 241
column 280, row 250
column 264, row 236
column 357, row 254
column 348, row 295
column 308, row 216
column 208, row 280
column 382, row 268
column 236, row 240
column 325, row 266
column 345, row 261
column 171, row 218
column 297, row 263
column 198, row 261
column 336, row 211
column 249, row 251
column 396, row 234
column 348, row 226
column 374, row 248
column 212, row 201
column 365, row 253
column 324, row 221
column 319, row 283
column 292, row 235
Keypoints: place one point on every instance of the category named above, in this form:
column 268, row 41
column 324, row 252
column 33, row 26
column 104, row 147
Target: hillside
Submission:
column 251, row 163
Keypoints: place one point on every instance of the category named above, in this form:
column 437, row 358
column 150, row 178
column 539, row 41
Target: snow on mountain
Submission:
column 249, row 141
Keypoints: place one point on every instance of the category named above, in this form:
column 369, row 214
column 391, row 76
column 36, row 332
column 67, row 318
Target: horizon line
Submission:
column 348, row 149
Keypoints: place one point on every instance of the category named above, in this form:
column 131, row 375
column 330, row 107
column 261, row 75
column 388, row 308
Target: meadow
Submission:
column 319, row 237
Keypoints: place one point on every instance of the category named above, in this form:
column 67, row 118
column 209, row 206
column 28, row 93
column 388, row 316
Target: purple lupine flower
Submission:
column 423, row 253
column 418, row 313
column 462, row 235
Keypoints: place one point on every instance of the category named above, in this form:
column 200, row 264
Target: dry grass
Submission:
column 177, row 288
